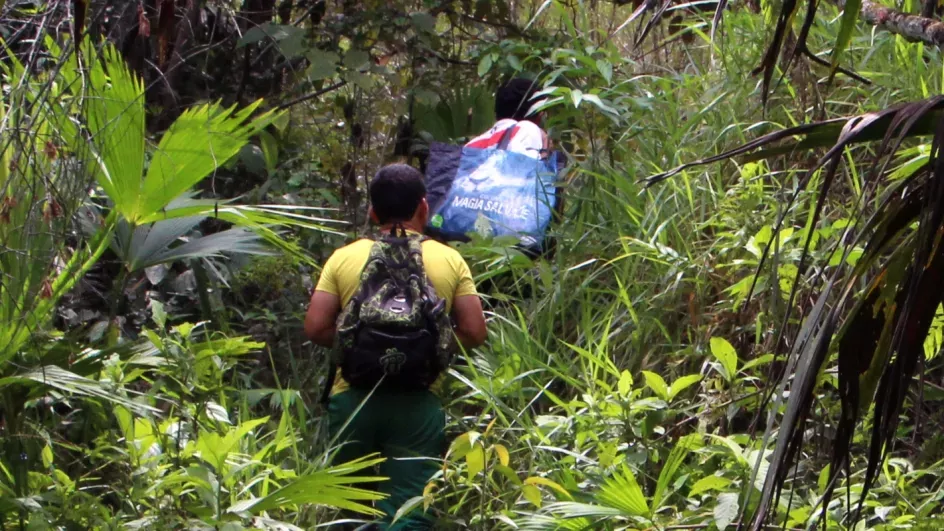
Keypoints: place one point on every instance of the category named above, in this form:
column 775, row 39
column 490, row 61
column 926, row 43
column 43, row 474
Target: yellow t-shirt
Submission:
column 445, row 268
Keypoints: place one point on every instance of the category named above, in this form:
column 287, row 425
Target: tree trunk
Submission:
column 184, row 36
column 929, row 8
column 912, row 27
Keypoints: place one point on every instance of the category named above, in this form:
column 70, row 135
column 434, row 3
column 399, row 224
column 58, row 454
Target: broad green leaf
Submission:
column 278, row 32
column 657, row 384
column 758, row 361
column 708, row 483
column 423, row 22
column 125, row 422
column 576, row 96
column 596, row 101
column 485, row 64
column 726, row 510
column 682, row 384
column 625, row 384
column 823, row 479
column 356, row 59
column 322, row 64
column 535, row 480
column 726, row 355
column 509, row 473
column 47, row 456
column 755, row 245
column 360, row 79
column 731, row 445
column 462, row 445
column 514, row 63
column 502, row 454
column 606, row 69
column 762, row 467
column 158, row 315
column 407, row 507
column 532, row 494
column 475, row 461
column 212, row 449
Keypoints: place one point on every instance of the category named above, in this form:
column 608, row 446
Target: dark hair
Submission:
column 396, row 192
column 513, row 99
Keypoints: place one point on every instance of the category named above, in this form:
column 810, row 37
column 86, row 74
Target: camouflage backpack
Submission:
column 395, row 326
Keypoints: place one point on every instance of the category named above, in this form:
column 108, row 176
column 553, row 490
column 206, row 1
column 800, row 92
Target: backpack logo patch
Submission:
column 392, row 361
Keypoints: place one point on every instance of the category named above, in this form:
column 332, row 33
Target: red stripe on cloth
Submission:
column 493, row 140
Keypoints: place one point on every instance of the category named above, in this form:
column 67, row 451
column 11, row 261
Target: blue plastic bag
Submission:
column 491, row 192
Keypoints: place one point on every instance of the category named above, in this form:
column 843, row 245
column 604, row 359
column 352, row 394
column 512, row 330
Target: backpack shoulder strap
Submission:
column 416, row 255
column 506, row 137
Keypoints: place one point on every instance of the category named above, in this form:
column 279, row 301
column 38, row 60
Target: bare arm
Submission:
column 321, row 318
column 470, row 321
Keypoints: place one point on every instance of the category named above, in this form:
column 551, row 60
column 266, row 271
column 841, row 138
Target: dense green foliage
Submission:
column 153, row 373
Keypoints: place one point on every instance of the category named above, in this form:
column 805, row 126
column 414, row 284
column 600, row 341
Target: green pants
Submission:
column 407, row 429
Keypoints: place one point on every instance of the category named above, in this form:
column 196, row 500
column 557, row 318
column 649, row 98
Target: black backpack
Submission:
column 395, row 327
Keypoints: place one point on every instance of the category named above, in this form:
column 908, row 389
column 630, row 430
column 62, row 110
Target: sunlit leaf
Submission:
column 532, row 494
column 200, row 140
column 726, row 355
column 622, row 492
column 331, row 486
column 708, row 483
column 625, row 384
column 657, row 384
column 502, row 453
column 682, row 384
column 475, row 461
column 535, row 480
column 726, row 510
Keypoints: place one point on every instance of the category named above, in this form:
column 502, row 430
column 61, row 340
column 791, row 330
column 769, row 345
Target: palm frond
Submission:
column 330, row 486
column 199, row 141
column 153, row 243
column 138, row 245
column 878, row 332
column 257, row 218
column 237, row 240
column 55, row 377
column 623, row 493
column 115, row 120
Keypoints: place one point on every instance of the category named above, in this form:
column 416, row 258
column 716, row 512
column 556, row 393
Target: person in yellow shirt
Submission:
column 406, row 427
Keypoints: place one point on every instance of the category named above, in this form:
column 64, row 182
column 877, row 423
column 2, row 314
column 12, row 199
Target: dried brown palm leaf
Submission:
column 877, row 332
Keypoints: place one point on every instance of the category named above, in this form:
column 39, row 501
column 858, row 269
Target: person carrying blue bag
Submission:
column 501, row 183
